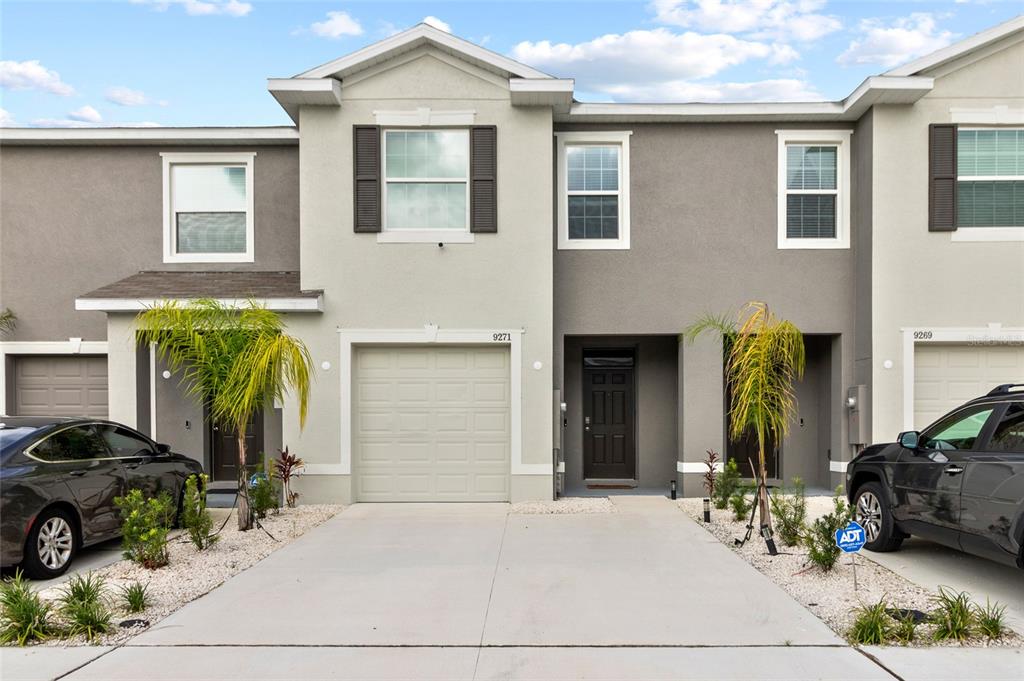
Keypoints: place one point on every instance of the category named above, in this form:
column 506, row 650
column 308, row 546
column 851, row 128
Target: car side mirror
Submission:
column 909, row 439
column 163, row 449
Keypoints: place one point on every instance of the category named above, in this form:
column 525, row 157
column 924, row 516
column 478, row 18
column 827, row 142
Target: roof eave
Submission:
column 294, row 93
column 276, row 304
column 959, row 49
column 235, row 136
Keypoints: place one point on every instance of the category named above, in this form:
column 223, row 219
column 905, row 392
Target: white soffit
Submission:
column 292, row 93
column 553, row 92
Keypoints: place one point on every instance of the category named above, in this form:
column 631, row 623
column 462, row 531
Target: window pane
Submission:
column 592, row 168
column 124, row 444
column 426, row 205
column 427, row 153
column 990, row 152
column 990, row 204
column 809, row 167
column 208, row 188
column 1009, row 432
column 211, row 232
column 958, row 431
column 593, row 217
column 71, row 445
column 811, row 216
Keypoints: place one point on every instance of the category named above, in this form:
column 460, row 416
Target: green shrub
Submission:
column 81, row 589
column 195, row 516
column 991, row 619
column 264, row 496
column 24, row 616
column 135, row 597
column 906, row 629
column 740, row 503
column 725, row 485
column 790, row 512
column 953, row 616
column 144, row 527
column 872, row 626
column 820, row 539
column 87, row 618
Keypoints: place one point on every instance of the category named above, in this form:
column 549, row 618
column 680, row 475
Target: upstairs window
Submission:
column 593, row 190
column 208, row 207
column 814, row 189
column 990, row 177
column 426, row 180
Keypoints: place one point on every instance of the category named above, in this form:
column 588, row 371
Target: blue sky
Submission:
column 205, row 62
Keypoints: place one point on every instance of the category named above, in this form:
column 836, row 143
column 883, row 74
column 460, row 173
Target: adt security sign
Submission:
column 851, row 538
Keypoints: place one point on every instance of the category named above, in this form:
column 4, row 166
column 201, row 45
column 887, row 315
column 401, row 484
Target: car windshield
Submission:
column 11, row 436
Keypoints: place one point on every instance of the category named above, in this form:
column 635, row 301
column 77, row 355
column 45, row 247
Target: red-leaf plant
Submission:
column 287, row 466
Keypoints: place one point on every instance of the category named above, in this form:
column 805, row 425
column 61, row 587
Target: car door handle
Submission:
column 953, row 469
column 76, row 474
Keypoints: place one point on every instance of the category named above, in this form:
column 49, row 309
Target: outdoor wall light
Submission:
column 707, row 510
column 166, row 373
column 538, row 365
column 887, row 364
column 325, row 365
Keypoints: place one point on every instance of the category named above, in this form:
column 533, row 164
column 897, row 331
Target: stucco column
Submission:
column 703, row 418
column 121, row 362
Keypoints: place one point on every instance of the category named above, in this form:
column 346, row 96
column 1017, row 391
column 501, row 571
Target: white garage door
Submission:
column 946, row 376
column 431, row 424
column 60, row 385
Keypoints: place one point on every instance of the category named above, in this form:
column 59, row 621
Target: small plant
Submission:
column 710, row 474
column 135, row 596
column 905, row 629
column 740, row 503
column 144, row 527
column 287, row 467
column 991, row 619
column 195, row 516
column 83, row 606
column 726, row 484
column 24, row 616
column 81, row 589
column 953, row 616
column 820, row 539
column 264, row 495
column 790, row 511
column 872, row 626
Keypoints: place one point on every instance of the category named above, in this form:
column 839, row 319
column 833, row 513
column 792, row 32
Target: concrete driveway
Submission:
column 471, row 592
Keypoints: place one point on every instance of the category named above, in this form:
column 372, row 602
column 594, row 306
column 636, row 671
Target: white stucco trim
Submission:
column 429, row 335
column 72, row 346
column 837, row 466
column 425, row 116
column 245, row 159
column 152, row 391
column 994, row 115
column 597, row 137
column 697, row 467
column 426, row 236
column 986, row 234
column 139, row 304
column 841, row 140
column 242, row 136
column 993, row 334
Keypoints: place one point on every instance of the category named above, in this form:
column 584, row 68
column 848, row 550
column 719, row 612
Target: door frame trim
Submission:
column 635, row 351
column 71, row 346
column 428, row 335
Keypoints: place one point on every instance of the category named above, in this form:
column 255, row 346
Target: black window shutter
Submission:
column 941, row 178
column 366, row 171
column 483, row 179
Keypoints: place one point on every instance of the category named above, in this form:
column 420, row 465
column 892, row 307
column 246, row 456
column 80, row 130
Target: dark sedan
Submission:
column 959, row 482
column 58, row 481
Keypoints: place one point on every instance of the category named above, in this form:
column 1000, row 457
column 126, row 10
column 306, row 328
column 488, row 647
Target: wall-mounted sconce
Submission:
column 887, row 364
column 166, row 374
column 538, row 365
column 325, row 365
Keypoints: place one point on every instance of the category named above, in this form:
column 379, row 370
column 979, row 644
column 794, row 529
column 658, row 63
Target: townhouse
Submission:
column 491, row 277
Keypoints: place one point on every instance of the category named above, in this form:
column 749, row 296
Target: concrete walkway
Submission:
column 471, row 592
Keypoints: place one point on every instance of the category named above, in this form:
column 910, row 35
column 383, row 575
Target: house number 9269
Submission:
column 501, row 337
column 922, row 335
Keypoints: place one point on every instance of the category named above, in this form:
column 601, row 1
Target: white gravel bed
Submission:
column 829, row 595
column 564, row 505
column 190, row 573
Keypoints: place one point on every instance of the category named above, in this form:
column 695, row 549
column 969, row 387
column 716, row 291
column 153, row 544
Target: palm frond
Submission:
column 8, row 321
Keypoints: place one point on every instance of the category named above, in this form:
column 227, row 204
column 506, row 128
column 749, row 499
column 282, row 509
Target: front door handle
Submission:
column 953, row 469
column 76, row 474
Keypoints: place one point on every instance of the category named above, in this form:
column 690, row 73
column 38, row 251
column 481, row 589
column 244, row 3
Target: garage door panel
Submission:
column 947, row 375
column 433, row 423
column 60, row 385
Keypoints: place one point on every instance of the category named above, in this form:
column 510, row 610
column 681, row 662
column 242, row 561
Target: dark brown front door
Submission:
column 609, row 442
column 744, row 451
column 224, row 447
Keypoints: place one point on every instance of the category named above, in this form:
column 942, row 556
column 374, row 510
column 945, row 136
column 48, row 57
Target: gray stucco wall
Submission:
column 73, row 219
column 860, row 215
column 704, row 239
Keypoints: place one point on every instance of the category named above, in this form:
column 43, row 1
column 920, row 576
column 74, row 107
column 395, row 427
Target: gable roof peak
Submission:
column 959, row 49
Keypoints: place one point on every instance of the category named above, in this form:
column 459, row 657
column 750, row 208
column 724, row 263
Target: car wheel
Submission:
column 51, row 545
column 871, row 510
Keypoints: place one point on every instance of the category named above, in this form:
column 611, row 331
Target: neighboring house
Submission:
column 465, row 249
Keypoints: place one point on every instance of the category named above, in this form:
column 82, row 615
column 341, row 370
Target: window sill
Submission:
column 813, row 244
column 425, row 237
column 593, row 244
column 212, row 258
column 991, row 234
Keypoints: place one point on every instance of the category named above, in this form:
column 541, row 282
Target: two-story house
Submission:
column 492, row 277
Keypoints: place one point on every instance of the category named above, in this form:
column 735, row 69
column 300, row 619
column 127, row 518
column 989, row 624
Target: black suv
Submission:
column 959, row 482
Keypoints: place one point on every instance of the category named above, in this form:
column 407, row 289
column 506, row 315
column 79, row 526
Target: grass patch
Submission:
column 24, row 616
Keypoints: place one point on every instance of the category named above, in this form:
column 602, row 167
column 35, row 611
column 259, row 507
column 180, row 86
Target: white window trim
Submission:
column 416, row 235
column 609, row 137
column 72, row 346
column 424, row 116
column 248, row 160
column 841, row 140
column 987, row 234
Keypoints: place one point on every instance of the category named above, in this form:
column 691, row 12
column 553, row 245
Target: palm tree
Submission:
column 233, row 360
column 8, row 320
column 765, row 357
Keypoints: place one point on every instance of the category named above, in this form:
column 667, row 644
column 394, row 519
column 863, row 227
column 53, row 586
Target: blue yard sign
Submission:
column 851, row 538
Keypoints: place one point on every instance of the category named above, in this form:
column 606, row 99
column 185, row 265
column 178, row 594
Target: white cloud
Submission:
column 640, row 59
column 73, row 123
column 86, row 114
column 777, row 19
column 431, row 20
column 336, row 25
column 31, row 75
column 202, row 8
column 125, row 96
column 6, row 118
column 777, row 90
column 901, row 41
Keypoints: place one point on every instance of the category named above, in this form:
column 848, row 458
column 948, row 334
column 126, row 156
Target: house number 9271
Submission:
column 922, row 335
column 502, row 337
